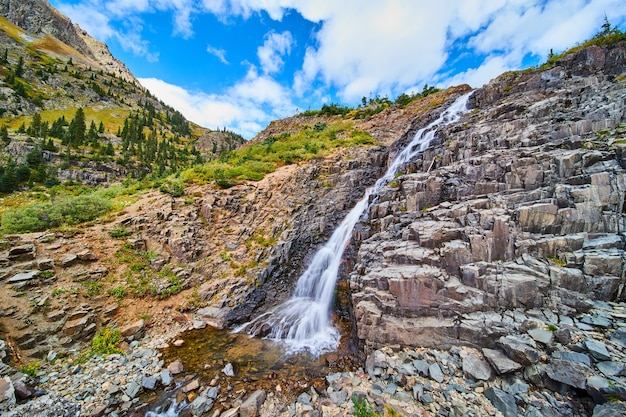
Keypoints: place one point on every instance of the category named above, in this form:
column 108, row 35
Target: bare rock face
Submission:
column 518, row 205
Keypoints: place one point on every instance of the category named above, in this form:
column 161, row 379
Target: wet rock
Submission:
column 228, row 370
column 201, row 405
column 250, row 407
column 175, row 367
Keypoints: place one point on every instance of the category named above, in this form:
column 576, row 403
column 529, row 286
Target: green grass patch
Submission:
column 119, row 232
column 118, row 292
column 254, row 161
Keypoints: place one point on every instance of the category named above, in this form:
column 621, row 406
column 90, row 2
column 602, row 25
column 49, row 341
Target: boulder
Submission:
column 22, row 253
column 570, row 373
column 519, row 350
column 500, row 362
column 504, row 402
column 477, row 368
column 175, row 367
column 133, row 330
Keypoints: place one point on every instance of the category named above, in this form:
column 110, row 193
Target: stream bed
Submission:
column 256, row 364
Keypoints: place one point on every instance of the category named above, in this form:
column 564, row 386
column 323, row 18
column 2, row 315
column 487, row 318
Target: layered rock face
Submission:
column 519, row 205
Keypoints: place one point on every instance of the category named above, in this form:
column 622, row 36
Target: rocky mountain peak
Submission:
column 40, row 18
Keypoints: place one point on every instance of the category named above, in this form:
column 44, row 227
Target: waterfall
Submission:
column 303, row 323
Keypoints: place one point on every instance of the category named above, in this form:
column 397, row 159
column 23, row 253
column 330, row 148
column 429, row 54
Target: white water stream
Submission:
column 303, row 323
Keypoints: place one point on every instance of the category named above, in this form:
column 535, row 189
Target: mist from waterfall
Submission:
column 303, row 323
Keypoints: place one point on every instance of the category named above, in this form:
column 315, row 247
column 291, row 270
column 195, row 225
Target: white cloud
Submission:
column 219, row 53
column 246, row 108
column 360, row 47
column 476, row 77
column 275, row 46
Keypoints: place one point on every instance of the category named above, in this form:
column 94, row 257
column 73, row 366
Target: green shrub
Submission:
column 106, row 341
column 119, row 232
column 362, row 408
column 63, row 212
column 175, row 188
column 30, row 368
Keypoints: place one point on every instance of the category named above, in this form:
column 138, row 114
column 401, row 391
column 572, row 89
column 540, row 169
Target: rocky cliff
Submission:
column 519, row 205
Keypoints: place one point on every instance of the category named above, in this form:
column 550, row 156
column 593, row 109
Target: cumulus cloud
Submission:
column 360, row 47
column 270, row 53
column 245, row 108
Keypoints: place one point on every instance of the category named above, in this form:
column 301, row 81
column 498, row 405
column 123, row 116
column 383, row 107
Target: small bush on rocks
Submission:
column 106, row 341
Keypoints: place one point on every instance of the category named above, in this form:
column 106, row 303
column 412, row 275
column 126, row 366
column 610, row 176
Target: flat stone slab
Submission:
column 500, row 362
column 569, row 373
column 541, row 336
column 477, row 368
column 23, row 276
column 597, row 350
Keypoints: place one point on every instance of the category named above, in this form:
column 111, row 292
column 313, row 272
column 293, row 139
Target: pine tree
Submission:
column 77, row 128
column 19, row 68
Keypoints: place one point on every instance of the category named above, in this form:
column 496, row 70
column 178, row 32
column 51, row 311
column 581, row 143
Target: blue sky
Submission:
column 242, row 63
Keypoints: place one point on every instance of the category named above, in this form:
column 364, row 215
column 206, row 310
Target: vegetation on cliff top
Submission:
column 608, row 35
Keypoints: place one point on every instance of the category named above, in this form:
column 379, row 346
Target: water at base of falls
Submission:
column 303, row 323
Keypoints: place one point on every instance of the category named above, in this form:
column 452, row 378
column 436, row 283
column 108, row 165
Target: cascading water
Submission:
column 303, row 322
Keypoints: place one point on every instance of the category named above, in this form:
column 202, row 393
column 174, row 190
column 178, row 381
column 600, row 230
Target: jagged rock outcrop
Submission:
column 519, row 205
